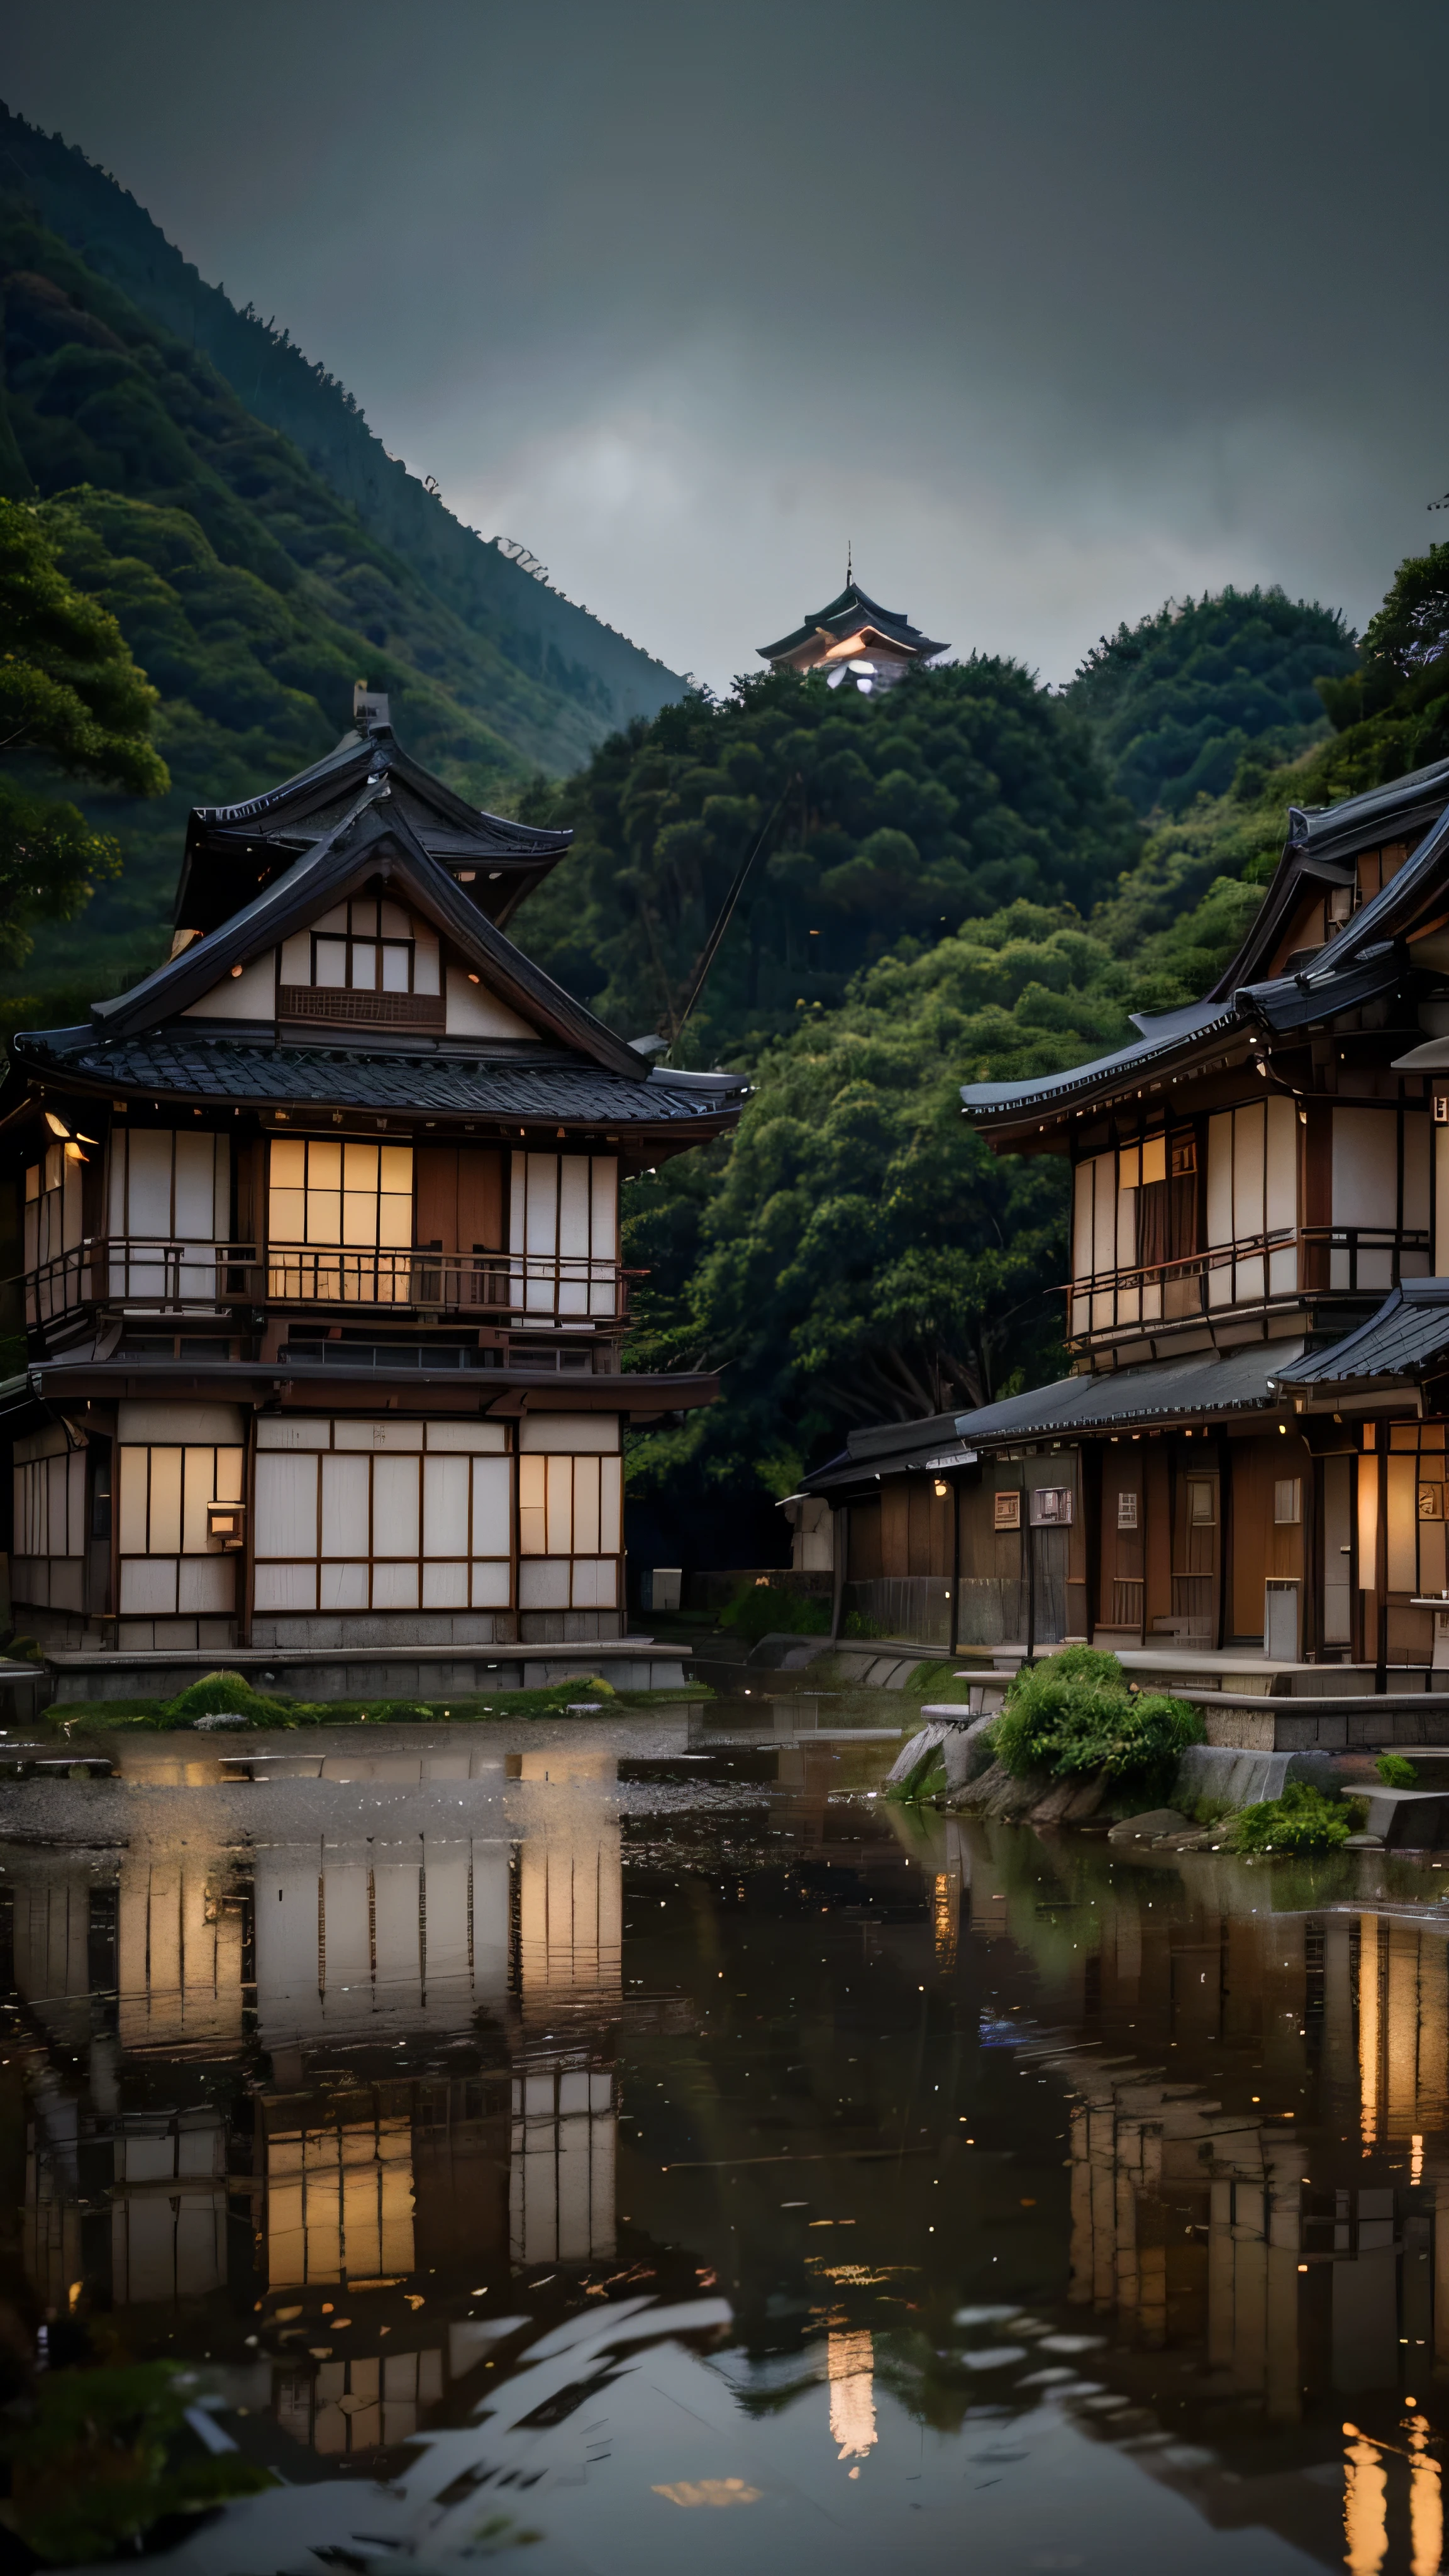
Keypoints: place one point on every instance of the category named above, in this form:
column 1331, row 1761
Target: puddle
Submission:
column 562, row 2129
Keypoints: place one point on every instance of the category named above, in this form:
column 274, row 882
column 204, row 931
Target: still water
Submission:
column 641, row 2135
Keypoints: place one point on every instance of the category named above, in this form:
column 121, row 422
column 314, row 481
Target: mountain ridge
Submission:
column 609, row 679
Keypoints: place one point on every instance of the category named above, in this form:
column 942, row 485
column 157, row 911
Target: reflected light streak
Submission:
column 1365, row 2506
column 851, row 2361
column 1368, row 2028
column 1426, row 2502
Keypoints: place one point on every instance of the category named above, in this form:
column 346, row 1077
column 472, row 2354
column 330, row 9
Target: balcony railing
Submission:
column 149, row 1275
column 540, row 1287
column 1255, row 1270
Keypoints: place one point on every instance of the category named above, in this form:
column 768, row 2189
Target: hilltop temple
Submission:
column 853, row 639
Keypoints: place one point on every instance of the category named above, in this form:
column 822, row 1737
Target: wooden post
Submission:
column 954, row 1626
column 1381, row 1560
column 840, row 1533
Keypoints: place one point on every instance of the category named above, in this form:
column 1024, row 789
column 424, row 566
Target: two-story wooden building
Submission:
column 317, row 1235
column 1250, row 1451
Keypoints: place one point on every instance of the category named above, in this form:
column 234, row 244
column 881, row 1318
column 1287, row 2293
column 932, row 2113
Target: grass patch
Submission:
column 1395, row 1772
column 1078, row 1714
column 228, row 1694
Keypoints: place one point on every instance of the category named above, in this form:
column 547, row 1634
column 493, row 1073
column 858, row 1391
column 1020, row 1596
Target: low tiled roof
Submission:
column 1406, row 1337
column 1159, row 1391
column 209, row 1068
column 891, row 1448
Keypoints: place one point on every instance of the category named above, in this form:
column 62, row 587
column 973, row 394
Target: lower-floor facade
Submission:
column 174, row 1522
column 1241, row 1501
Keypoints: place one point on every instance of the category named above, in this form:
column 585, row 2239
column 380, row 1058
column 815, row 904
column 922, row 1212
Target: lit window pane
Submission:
column 397, row 1170
column 361, row 1167
column 286, row 1216
column 289, row 1163
column 324, row 1164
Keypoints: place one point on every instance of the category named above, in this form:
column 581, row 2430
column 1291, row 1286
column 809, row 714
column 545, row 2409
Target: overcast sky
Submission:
column 1052, row 310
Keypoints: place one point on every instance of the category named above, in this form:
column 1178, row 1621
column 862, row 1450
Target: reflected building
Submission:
column 295, row 2088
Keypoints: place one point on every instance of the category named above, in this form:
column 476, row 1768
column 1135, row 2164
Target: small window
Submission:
column 1051, row 1506
column 1288, row 1501
column 1127, row 1511
column 1006, row 1511
column 1184, row 1156
column 1202, row 1502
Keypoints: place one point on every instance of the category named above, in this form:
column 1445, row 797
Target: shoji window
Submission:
column 1414, row 1470
column 351, row 1200
column 570, row 1512
column 358, row 1515
column 49, row 1480
column 52, row 1227
column 564, row 1215
column 1381, row 1187
column 363, row 947
column 167, row 1188
column 1252, row 1191
column 169, row 1563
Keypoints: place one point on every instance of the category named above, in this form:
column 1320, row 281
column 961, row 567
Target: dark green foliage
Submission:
column 1178, row 699
column 102, row 2455
column 765, row 1609
column 1076, row 1713
column 251, row 594
column 1395, row 1772
column 1302, row 1820
column 890, row 821
column 859, row 1254
column 71, row 700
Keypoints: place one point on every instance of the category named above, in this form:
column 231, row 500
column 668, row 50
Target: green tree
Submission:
column 72, row 699
column 1178, row 699
column 880, row 825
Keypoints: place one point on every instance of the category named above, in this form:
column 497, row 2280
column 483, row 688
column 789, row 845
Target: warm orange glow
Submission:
column 1365, row 2507
column 851, row 2361
column 1426, row 2502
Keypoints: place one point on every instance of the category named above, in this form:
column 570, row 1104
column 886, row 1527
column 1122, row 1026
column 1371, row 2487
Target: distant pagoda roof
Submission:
column 853, row 613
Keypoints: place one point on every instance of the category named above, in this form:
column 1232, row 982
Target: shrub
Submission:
column 228, row 1694
column 1302, row 1820
column 106, row 2454
column 1077, row 1713
column 765, row 1610
column 1395, row 1772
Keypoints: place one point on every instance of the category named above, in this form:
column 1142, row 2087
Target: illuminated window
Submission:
column 353, row 1200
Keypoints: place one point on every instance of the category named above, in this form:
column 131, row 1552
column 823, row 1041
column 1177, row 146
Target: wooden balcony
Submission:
column 1257, row 1270
column 151, row 1276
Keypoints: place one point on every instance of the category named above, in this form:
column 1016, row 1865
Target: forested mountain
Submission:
column 1178, row 699
column 251, row 592
column 586, row 678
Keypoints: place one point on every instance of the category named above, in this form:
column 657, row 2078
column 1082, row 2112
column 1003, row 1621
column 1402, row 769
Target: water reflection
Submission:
column 611, row 2128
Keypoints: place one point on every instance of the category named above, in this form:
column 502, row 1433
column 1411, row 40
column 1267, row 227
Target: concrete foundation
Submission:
column 400, row 1672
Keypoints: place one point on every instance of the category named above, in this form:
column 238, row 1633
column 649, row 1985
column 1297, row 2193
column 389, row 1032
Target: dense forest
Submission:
column 965, row 876
column 251, row 591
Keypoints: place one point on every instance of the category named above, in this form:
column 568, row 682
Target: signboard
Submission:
column 1006, row 1511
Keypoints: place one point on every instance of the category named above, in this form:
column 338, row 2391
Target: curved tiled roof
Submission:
column 214, row 1068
